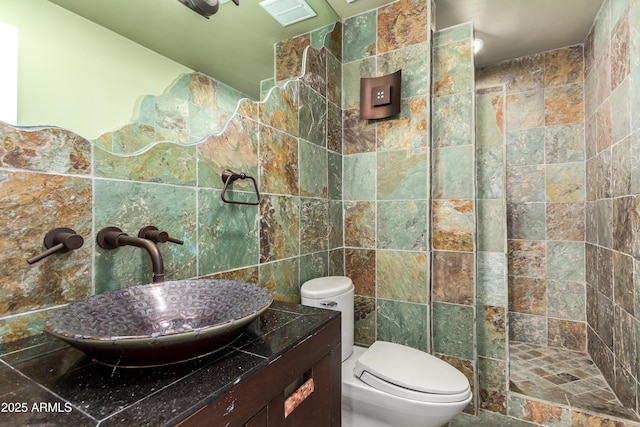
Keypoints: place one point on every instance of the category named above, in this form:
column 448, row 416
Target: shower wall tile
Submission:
column 564, row 104
column 526, row 221
column 402, row 276
column 452, row 68
column 314, row 225
column 403, row 225
column 453, row 330
column 491, row 225
column 492, row 377
column 402, row 174
column 451, row 35
column 527, row 328
column 414, row 16
column 490, row 167
column 567, row 334
column 453, row 223
column 621, row 176
column 67, row 201
column 312, row 116
column 313, row 266
column 468, row 369
column 565, row 221
column 279, row 227
column 280, row 110
column 525, row 147
column 414, row 63
column 334, row 176
column 336, row 262
column 452, row 120
column 525, row 184
column 527, row 295
column 564, row 66
column 566, row 300
column 452, row 173
column 538, row 412
column 492, row 280
column 527, row 258
column 406, row 130
column 492, row 332
column 359, row 176
column 277, row 149
column 352, row 72
column 313, row 165
column 453, row 277
column 490, row 118
column 402, row 323
column 564, row 143
column 565, row 261
column 316, row 70
column 359, row 224
column 620, row 55
column 334, row 128
column 333, row 40
column 360, row 267
column 334, row 80
column 359, row 36
column 359, row 136
column 288, row 57
column 526, row 110
column 620, row 112
column 336, row 229
column 364, row 316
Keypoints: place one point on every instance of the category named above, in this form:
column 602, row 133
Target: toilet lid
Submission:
column 325, row 287
column 406, row 372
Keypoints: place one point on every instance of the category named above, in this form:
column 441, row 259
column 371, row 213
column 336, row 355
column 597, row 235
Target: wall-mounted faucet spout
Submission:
column 113, row 237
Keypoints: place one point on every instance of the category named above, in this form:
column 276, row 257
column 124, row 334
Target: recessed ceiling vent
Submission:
column 288, row 12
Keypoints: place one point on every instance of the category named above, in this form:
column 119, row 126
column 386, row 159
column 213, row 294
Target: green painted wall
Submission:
column 100, row 71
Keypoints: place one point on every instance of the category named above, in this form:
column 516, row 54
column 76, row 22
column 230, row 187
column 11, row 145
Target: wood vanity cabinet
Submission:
column 259, row 400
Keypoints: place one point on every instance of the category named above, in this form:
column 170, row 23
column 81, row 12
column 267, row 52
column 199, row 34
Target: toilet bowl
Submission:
column 388, row 384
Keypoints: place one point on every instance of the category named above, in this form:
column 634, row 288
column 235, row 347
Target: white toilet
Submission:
column 388, row 384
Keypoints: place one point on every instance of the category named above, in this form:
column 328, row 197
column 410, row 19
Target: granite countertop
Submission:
column 43, row 381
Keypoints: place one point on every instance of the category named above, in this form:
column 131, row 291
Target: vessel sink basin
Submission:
column 161, row 323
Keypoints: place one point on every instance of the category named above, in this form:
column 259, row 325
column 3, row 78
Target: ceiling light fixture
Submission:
column 205, row 8
column 477, row 45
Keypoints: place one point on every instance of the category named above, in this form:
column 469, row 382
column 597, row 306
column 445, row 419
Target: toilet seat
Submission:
column 409, row 373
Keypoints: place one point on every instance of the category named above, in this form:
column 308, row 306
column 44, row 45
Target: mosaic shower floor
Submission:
column 562, row 376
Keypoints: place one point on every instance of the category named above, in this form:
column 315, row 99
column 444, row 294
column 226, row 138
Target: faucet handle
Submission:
column 59, row 240
column 152, row 233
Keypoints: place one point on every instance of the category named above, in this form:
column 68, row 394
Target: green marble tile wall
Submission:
column 386, row 176
column 453, row 204
column 612, row 109
column 163, row 169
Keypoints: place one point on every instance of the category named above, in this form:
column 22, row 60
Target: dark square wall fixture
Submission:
column 380, row 96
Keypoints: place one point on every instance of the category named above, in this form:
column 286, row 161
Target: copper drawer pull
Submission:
column 298, row 396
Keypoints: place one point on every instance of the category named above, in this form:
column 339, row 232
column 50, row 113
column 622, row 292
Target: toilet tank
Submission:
column 334, row 293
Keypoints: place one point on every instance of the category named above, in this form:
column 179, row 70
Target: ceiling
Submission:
column 235, row 45
column 514, row 28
